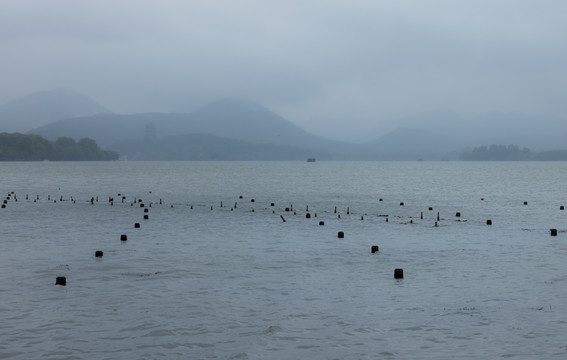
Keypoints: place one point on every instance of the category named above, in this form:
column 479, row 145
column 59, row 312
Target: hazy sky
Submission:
column 339, row 64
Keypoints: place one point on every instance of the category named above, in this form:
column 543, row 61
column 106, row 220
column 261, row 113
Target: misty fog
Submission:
column 350, row 71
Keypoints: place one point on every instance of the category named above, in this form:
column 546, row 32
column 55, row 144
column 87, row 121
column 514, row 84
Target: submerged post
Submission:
column 398, row 273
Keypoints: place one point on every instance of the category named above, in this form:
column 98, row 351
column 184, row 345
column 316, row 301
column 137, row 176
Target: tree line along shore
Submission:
column 23, row 147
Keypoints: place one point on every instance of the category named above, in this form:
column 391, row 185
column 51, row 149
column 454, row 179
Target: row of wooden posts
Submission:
column 398, row 273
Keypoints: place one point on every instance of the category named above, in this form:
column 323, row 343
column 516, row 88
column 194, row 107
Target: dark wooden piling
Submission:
column 341, row 234
column 61, row 280
column 398, row 273
column 98, row 253
column 374, row 249
column 553, row 232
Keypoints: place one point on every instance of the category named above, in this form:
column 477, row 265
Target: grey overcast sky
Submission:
column 340, row 62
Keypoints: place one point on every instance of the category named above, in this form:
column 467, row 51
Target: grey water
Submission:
column 199, row 280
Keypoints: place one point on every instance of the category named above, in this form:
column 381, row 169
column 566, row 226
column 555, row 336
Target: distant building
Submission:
column 150, row 133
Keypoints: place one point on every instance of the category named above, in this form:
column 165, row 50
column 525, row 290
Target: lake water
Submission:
column 201, row 281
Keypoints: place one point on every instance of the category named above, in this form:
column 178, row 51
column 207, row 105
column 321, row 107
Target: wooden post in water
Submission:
column 398, row 273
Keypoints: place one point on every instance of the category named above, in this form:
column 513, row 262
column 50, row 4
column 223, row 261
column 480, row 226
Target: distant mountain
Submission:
column 210, row 147
column 106, row 129
column 244, row 120
column 43, row 107
column 443, row 134
column 536, row 132
column 412, row 144
column 227, row 118
column 543, row 132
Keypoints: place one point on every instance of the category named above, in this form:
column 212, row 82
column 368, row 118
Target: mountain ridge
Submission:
column 224, row 118
column 436, row 135
column 43, row 107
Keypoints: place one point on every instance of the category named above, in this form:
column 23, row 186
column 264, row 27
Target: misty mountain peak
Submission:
column 232, row 107
column 43, row 107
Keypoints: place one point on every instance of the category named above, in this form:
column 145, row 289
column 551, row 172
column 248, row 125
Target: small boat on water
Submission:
column 311, row 160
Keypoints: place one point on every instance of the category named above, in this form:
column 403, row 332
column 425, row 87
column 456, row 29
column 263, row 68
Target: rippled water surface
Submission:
column 211, row 275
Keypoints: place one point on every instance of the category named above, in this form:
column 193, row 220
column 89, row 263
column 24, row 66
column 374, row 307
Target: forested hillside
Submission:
column 21, row 147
